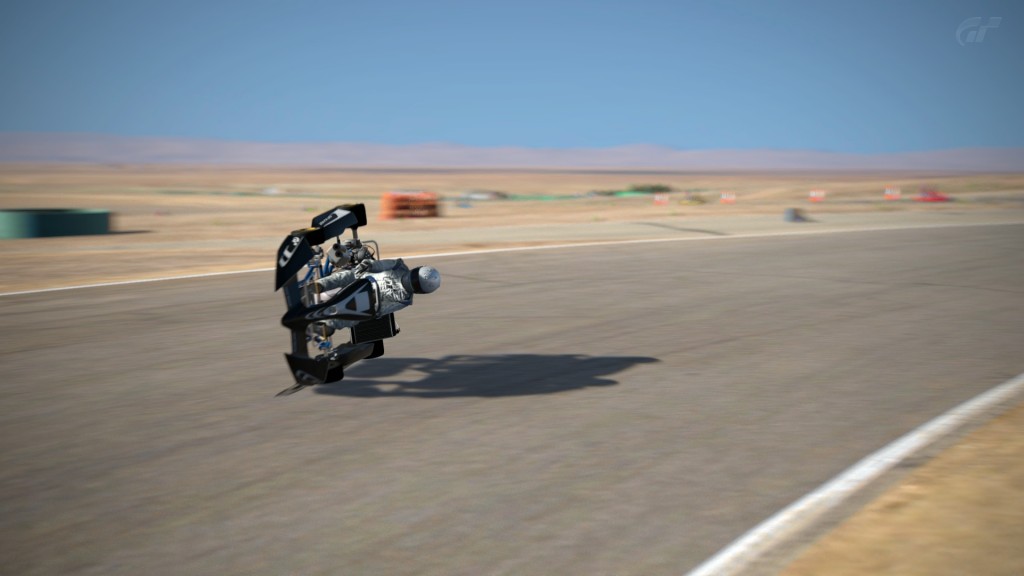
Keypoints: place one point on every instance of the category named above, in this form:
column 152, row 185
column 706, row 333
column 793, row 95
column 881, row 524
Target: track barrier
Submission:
column 408, row 205
column 795, row 215
column 46, row 222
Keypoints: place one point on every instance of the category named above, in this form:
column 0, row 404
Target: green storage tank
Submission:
column 43, row 222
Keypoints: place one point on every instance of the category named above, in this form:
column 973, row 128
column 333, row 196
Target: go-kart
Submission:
column 333, row 329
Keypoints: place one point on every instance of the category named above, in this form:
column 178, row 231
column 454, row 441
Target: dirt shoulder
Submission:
column 960, row 513
column 188, row 220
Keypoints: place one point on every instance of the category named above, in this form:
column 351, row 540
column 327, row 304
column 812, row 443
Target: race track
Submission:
column 591, row 410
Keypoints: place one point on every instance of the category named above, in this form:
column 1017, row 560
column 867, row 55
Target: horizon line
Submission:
column 58, row 133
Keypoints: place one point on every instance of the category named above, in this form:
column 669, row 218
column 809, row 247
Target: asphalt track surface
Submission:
column 591, row 410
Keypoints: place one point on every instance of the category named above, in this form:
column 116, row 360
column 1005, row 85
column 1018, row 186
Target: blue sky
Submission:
column 841, row 76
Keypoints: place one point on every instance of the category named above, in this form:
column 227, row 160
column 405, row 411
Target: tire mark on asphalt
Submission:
column 681, row 229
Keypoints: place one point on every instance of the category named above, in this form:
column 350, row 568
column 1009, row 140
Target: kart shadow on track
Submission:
column 480, row 376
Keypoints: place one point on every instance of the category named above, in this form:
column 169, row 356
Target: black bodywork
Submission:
column 300, row 252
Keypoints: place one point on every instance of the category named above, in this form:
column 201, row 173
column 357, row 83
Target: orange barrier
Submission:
column 408, row 205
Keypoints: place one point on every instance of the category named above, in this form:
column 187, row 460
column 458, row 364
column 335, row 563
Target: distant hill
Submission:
column 108, row 149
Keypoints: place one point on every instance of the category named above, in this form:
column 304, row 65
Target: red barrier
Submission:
column 408, row 205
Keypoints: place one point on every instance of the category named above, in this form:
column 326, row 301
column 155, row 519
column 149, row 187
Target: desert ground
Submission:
column 169, row 221
column 204, row 219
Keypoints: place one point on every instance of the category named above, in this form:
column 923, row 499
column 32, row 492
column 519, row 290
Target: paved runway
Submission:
column 591, row 410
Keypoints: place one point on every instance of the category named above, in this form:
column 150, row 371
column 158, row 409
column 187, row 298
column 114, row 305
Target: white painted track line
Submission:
column 738, row 556
column 142, row 281
column 544, row 247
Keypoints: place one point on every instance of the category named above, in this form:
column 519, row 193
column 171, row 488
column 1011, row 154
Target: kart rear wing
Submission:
column 297, row 249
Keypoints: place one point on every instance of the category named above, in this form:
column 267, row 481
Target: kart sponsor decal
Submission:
column 288, row 252
column 334, row 216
